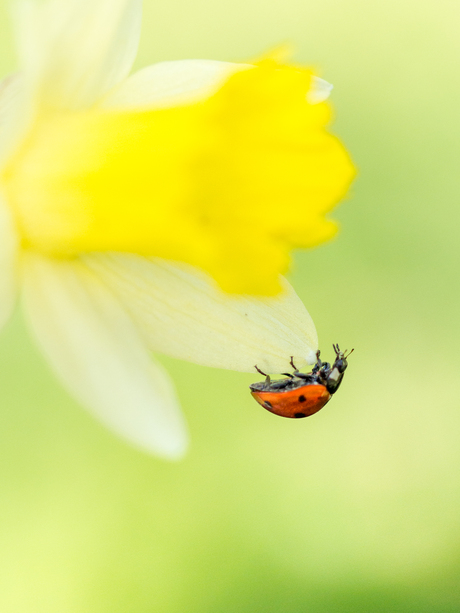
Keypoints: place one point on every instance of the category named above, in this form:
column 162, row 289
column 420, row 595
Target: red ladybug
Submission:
column 301, row 395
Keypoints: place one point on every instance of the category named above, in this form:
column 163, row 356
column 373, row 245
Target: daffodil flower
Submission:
column 156, row 212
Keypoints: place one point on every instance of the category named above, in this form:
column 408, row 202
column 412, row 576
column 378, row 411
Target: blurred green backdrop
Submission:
column 356, row 509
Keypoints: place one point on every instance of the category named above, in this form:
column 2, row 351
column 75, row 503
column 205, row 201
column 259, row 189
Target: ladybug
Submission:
column 301, row 395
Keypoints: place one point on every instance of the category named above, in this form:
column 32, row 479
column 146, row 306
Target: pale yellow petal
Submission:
column 15, row 111
column 72, row 52
column 9, row 264
column 171, row 84
column 183, row 313
column 95, row 349
column 9, row 89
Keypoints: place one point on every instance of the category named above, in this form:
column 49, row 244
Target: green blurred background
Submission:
column 356, row 509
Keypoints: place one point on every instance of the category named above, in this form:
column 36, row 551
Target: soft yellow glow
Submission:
column 230, row 184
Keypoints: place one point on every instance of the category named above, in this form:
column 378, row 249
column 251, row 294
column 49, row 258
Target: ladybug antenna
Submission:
column 292, row 363
column 336, row 349
column 349, row 354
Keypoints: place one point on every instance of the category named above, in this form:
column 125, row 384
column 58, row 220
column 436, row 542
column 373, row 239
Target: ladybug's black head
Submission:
column 335, row 375
column 341, row 359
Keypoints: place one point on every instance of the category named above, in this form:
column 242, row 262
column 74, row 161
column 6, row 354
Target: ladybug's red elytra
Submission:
column 301, row 395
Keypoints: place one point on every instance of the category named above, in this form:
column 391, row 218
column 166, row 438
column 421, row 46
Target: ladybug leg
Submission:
column 318, row 364
column 260, row 371
column 324, row 371
column 336, row 349
column 297, row 373
column 267, row 377
column 304, row 376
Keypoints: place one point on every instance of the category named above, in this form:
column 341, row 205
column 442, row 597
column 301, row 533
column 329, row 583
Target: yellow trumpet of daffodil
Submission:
column 156, row 211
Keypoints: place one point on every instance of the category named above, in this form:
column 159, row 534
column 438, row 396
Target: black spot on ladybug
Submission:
column 268, row 405
column 299, row 415
column 302, row 399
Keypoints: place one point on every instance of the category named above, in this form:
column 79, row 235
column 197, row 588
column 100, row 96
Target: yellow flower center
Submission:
column 230, row 184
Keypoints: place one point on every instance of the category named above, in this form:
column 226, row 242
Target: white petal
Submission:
column 171, row 83
column 95, row 349
column 73, row 51
column 9, row 274
column 320, row 91
column 184, row 314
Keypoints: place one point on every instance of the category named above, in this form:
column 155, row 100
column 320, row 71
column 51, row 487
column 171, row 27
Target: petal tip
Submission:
column 320, row 90
column 174, row 450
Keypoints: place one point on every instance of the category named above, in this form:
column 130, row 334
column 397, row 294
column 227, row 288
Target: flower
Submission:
column 157, row 211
